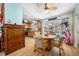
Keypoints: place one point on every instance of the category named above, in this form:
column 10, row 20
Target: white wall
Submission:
column 63, row 16
column 70, row 20
column 76, row 25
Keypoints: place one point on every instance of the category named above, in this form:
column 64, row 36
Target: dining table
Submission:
column 49, row 39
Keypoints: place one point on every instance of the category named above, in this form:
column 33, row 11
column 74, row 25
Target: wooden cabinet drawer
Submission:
column 21, row 45
column 20, row 42
column 11, row 49
column 20, row 39
column 12, row 44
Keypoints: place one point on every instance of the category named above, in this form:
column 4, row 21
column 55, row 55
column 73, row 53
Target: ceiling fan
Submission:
column 49, row 7
column 46, row 7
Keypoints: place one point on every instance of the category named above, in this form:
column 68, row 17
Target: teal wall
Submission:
column 13, row 12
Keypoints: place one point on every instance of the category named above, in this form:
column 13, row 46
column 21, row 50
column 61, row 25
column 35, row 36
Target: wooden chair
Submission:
column 40, row 46
column 61, row 39
column 58, row 44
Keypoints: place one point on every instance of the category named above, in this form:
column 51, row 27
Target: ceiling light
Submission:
column 47, row 7
column 46, row 11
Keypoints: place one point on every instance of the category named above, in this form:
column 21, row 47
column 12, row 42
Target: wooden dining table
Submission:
column 49, row 39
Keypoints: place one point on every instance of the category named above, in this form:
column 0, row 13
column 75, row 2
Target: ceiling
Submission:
column 34, row 10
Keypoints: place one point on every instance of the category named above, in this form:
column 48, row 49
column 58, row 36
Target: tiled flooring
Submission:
column 28, row 50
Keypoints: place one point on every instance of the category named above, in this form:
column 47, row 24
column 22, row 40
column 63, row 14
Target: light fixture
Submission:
column 49, row 7
column 46, row 11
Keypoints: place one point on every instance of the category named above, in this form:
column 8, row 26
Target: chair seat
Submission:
column 55, row 51
column 40, row 48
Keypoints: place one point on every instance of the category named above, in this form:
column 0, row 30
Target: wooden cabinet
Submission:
column 30, row 33
column 29, row 25
column 39, row 24
column 13, row 37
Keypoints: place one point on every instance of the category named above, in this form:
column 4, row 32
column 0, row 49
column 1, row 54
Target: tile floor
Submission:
column 28, row 50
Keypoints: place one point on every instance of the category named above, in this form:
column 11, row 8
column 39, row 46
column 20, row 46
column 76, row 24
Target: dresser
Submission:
column 13, row 36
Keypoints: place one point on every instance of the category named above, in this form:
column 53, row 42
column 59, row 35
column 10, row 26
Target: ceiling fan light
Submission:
column 46, row 11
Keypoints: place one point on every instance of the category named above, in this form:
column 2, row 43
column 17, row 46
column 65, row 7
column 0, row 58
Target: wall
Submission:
column 76, row 25
column 13, row 12
column 44, row 23
column 70, row 20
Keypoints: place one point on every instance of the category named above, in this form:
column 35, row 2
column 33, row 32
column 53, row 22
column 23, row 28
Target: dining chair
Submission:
column 40, row 45
column 57, row 46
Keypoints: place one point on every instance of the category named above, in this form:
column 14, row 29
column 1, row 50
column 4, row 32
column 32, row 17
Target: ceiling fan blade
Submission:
column 53, row 8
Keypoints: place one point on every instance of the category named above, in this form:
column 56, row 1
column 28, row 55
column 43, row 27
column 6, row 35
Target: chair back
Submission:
column 38, row 42
column 61, row 39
